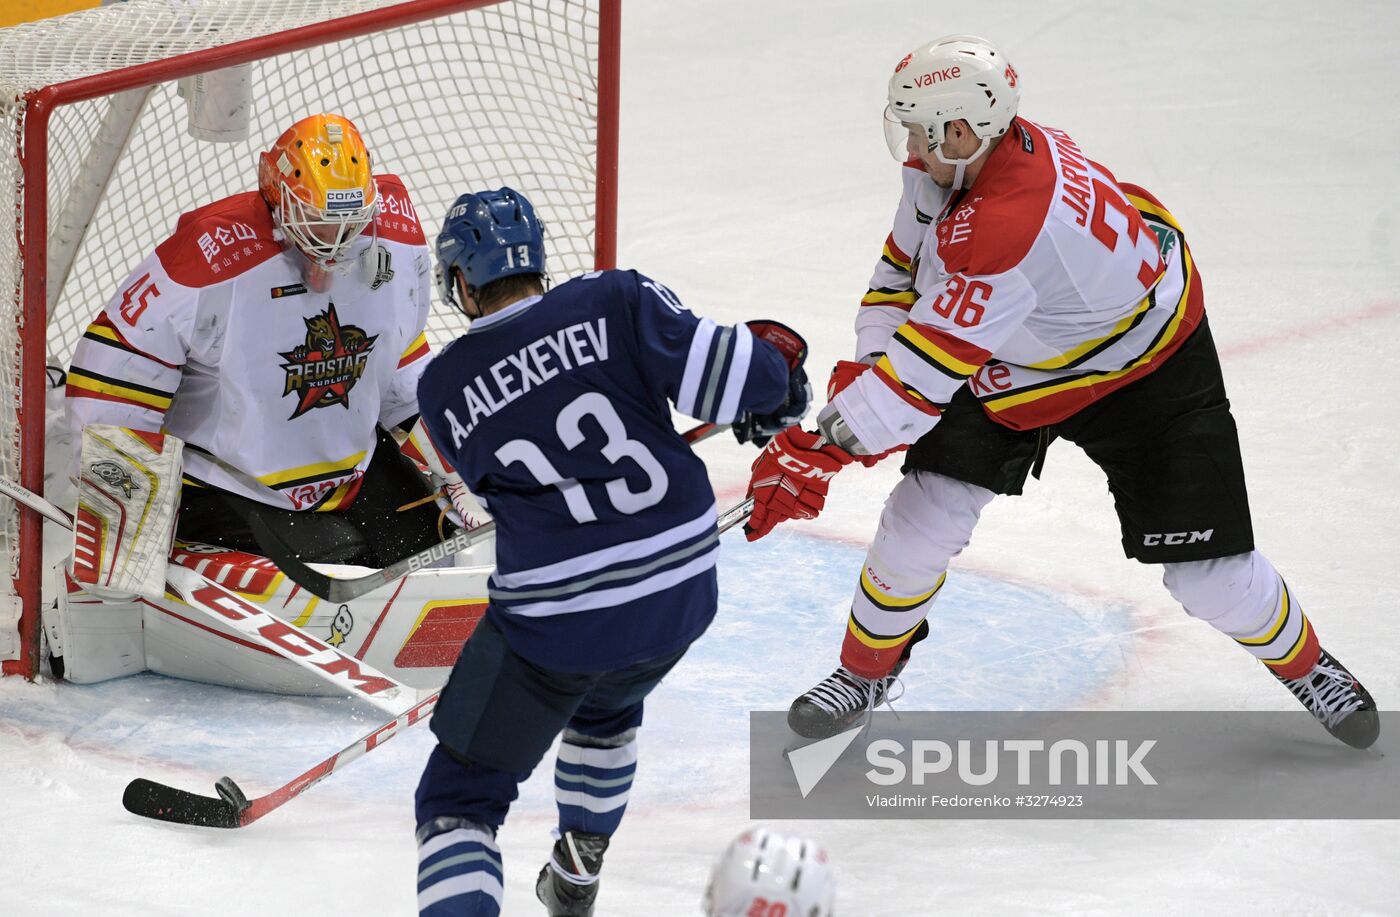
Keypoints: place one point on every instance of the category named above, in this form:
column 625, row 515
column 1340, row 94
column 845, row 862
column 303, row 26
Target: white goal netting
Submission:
column 498, row 94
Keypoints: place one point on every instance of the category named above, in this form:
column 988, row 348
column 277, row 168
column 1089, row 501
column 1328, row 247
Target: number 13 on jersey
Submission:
column 568, row 428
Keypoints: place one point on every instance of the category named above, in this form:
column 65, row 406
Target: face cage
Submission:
column 297, row 220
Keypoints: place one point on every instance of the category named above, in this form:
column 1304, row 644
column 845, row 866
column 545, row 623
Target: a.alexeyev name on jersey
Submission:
column 534, row 364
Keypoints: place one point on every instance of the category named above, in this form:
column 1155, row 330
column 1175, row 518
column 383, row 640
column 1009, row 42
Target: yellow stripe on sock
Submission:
column 878, row 643
column 1285, row 607
column 1297, row 647
column 876, row 595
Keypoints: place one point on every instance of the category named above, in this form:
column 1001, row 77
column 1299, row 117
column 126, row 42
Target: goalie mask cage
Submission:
column 98, row 160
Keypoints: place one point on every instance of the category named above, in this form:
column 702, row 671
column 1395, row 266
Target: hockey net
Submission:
column 98, row 162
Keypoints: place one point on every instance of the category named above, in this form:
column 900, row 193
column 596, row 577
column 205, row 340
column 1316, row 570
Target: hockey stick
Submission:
column 283, row 639
column 736, row 514
column 29, row 498
column 339, row 590
column 336, row 590
column 231, row 808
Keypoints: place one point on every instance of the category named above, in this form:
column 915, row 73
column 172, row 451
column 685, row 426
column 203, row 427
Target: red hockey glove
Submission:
column 789, row 343
column 790, row 479
column 843, row 374
column 760, row 428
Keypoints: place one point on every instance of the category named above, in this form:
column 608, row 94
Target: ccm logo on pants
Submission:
column 1175, row 538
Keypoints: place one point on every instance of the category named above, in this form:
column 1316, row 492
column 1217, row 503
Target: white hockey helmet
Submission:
column 951, row 78
column 773, row 875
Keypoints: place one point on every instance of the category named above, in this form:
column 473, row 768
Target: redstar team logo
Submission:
column 904, row 63
column 323, row 369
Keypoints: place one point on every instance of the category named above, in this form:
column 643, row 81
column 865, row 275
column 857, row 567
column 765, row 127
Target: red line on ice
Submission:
column 1311, row 330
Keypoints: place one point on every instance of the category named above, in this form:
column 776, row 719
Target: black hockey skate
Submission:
column 1337, row 699
column 844, row 699
column 568, row 883
column 839, row 702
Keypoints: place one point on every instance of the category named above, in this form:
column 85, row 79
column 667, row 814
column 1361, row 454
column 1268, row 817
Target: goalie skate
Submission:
column 1333, row 695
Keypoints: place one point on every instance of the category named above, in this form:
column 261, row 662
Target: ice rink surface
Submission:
column 755, row 183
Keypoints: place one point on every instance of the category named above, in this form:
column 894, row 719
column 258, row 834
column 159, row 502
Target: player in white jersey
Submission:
column 280, row 334
column 1024, row 295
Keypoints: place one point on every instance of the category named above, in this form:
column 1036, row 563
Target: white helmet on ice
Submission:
column 958, row 77
column 769, row 874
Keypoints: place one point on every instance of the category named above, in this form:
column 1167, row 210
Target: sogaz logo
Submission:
column 347, row 199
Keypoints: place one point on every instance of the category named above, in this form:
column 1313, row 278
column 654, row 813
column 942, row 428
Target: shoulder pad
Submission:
column 219, row 241
column 994, row 227
column 397, row 220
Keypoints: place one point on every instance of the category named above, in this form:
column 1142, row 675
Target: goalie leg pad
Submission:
column 182, row 643
column 96, row 638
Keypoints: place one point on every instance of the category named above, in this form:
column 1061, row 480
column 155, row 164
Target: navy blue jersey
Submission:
column 556, row 412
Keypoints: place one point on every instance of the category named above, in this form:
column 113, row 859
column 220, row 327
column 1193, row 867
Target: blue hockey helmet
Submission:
column 488, row 235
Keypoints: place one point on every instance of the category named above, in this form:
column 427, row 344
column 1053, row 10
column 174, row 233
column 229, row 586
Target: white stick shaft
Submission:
column 35, row 502
column 736, row 514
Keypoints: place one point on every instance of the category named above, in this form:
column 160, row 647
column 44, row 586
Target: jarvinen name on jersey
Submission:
column 530, row 366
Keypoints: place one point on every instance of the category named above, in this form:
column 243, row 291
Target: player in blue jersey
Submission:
column 555, row 410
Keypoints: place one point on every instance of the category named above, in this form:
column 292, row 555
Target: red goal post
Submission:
column 100, row 160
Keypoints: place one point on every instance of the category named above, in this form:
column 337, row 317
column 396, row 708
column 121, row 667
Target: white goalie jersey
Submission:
column 275, row 388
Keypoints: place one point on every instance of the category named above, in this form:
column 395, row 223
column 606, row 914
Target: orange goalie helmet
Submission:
column 317, row 180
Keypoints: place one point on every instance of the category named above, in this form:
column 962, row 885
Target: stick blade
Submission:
column 166, row 803
column 285, row 559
